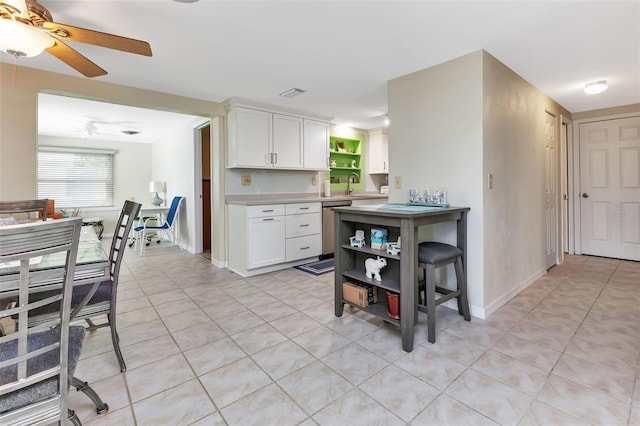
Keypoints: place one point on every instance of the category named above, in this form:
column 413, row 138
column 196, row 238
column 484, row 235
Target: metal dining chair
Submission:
column 37, row 362
column 25, row 206
column 99, row 299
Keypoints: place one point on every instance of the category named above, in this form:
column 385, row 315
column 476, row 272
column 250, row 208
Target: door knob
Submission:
column 585, row 195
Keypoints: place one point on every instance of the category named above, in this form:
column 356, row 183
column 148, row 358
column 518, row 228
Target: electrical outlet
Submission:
column 397, row 182
column 314, row 180
column 246, row 180
column 490, row 181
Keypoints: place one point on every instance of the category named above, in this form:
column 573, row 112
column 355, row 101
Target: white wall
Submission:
column 436, row 128
column 172, row 162
column 132, row 172
column 514, row 152
column 451, row 125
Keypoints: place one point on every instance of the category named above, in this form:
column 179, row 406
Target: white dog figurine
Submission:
column 373, row 267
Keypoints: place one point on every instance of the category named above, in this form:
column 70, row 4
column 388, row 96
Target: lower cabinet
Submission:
column 304, row 230
column 270, row 237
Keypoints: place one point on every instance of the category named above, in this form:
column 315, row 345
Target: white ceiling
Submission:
column 344, row 52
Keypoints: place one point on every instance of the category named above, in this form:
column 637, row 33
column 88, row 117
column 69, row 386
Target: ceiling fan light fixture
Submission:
column 18, row 39
column 291, row 93
column 596, row 87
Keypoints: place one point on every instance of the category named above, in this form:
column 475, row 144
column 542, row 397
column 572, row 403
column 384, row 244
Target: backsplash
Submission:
column 273, row 181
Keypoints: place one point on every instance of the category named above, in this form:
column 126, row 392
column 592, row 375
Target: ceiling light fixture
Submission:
column 596, row 87
column 18, row 39
column 291, row 93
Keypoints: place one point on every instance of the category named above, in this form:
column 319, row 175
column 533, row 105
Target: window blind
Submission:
column 76, row 178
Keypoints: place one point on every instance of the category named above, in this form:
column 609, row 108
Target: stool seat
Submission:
column 434, row 253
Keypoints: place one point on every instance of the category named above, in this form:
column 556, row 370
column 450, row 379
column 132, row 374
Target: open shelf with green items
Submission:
column 346, row 161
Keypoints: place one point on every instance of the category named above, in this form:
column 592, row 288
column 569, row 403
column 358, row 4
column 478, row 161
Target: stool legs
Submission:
column 430, row 300
column 463, row 300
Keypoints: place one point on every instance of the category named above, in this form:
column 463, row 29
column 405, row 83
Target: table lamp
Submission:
column 155, row 187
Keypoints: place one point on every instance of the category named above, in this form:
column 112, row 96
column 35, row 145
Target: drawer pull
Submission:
column 267, row 211
column 302, row 226
column 305, row 248
column 304, row 208
column 269, row 218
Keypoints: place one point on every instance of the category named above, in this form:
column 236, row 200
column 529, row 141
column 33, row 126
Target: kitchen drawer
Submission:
column 303, row 247
column 265, row 210
column 297, row 208
column 303, row 224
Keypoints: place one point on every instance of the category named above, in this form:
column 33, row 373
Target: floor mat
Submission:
column 317, row 268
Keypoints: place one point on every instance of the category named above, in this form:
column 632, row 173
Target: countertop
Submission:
column 260, row 199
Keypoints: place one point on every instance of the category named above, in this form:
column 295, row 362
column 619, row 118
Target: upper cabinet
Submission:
column 316, row 145
column 287, row 142
column 268, row 139
column 250, row 138
column 378, row 151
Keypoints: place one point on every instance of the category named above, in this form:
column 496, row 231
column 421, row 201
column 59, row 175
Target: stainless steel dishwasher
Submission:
column 327, row 225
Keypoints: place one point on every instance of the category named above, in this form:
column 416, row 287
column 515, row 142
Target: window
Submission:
column 75, row 177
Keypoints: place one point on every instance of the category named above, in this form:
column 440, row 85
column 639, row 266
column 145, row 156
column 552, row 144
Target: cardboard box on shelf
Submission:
column 359, row 295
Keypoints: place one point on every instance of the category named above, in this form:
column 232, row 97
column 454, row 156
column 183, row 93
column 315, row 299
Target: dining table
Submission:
column 92, row 267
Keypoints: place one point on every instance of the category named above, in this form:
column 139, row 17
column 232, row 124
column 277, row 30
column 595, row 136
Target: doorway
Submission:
column 205, row 143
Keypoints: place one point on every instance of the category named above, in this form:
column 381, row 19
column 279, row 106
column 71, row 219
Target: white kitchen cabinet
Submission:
column 265, row 242
column 267, row 139
column 287, row 142
column 250, row 138
column 316, row 145
column 378, row 151
column 303, row 230
column 266, row 238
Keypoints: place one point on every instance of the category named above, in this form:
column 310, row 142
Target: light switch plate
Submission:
column 397, row 182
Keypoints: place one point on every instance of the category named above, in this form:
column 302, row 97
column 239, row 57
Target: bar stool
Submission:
column 430, row 256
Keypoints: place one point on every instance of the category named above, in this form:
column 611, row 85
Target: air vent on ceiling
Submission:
column 292, row 93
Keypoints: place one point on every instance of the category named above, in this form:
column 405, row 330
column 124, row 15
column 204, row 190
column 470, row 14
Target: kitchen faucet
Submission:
column 347, row 192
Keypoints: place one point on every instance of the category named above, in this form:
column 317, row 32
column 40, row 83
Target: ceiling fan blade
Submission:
column 97, row 38
column 75, row 60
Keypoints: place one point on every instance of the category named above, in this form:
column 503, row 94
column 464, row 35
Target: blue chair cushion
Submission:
column 50, row 359
column 430, row 252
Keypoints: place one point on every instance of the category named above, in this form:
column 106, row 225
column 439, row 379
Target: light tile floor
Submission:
column 206, row 347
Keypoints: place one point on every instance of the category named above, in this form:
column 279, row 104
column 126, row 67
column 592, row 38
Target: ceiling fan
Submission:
column 27, row 28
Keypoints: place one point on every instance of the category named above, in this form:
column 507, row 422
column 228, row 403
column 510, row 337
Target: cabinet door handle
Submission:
column 275, row 155
column 303, row 225
column 269, row 218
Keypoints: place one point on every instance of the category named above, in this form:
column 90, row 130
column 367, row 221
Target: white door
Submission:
column 551, row 190
column 610, row 188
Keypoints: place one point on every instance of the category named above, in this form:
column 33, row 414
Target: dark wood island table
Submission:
column 401, row 273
